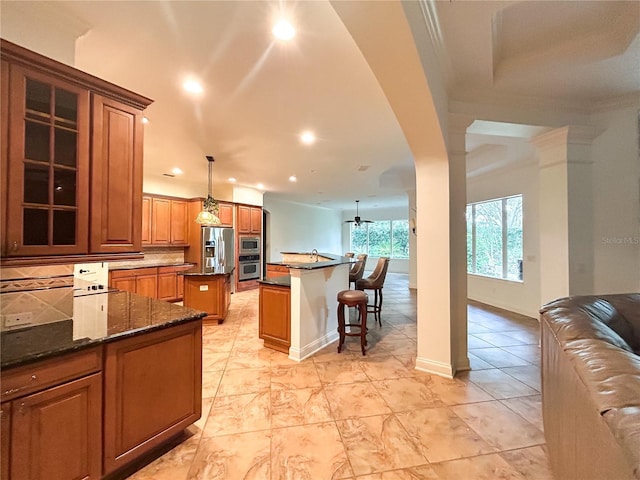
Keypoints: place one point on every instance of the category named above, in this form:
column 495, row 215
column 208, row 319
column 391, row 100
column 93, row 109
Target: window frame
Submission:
column 504, row 236
column 391, row 242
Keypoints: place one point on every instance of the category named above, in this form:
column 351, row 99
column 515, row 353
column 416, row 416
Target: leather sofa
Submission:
column 591, row 386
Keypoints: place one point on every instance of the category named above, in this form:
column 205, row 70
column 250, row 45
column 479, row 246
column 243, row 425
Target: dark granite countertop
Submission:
column 224, row 270
column 97, row 318
column 335, row 260
column 149, row 265
column 281, row 281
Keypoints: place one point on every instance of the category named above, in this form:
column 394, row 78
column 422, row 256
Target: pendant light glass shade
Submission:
column 209, row 214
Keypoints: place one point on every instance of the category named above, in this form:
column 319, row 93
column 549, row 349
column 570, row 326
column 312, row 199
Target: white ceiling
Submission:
column 261, row 93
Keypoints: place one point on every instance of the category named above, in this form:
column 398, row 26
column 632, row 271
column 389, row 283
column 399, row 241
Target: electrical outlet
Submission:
column 17, row 319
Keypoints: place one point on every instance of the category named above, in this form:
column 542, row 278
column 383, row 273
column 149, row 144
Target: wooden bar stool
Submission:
column 358, row 299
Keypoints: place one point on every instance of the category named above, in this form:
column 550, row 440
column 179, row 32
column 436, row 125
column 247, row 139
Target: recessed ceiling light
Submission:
column 260, row 186
column 176, row 171
column 145, row 120
column 307, row 137
column 283, row 30
column 232, row 180
column 192, row 86
column 293, row 178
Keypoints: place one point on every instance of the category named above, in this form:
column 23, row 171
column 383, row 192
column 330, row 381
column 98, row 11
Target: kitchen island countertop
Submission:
column 294, row 257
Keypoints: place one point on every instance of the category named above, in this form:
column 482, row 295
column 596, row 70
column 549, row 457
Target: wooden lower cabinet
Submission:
column 275, row 317
column 162, row 283
column 57, row 433
column 208, row 293
column 5, row 433
column 277, row 271
column 153, row 390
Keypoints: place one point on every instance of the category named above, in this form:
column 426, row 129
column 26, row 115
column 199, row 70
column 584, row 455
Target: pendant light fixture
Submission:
column 209, row 214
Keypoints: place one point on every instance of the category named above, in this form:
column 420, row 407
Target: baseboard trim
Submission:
column 436, row 368
column 299, row 354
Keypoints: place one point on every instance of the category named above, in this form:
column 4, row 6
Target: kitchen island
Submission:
column 314, row 282
column 209, row 291
column 87, row 396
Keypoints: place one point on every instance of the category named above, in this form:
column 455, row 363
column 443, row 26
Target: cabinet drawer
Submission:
column 134, row 272
column 20, row 381
column 278, row 268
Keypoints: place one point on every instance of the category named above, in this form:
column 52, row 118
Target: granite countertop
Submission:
column 97, row 318
column 281, row 281
column 149, row 265
column 295, row 263
column 222, row 270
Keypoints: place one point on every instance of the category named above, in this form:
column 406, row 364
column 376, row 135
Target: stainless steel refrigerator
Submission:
column 217, row 250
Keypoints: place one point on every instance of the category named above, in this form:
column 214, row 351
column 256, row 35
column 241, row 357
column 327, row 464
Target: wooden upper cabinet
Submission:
column 244, row 219
column 146, row 220
column 116, row 183
column 256, row 220
column 225, row 214
column 160, row 221
column 71, row 160
column 48, row 164
column 179, row 226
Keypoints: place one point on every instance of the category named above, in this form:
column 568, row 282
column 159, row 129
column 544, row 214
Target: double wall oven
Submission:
column 248, row 258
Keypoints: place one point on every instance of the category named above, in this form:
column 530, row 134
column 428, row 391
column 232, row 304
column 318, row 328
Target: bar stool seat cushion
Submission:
column 352, row 296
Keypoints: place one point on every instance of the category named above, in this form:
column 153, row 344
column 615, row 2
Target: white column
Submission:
column 566, row 211
column 413, row 232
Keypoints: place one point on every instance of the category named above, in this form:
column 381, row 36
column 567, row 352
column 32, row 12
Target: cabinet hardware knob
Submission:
column 21, row 409
column 14, row 246
column 33, row 377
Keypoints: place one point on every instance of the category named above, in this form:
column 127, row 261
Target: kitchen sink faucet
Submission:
column 314, row 253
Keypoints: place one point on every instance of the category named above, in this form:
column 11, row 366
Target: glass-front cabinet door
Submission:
column 48, row 166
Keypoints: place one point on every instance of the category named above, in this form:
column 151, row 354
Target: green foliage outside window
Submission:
column 494, row 238
column 387, row 238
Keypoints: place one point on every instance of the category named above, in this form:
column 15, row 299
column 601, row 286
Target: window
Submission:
column 387, row 238
column 494, row 238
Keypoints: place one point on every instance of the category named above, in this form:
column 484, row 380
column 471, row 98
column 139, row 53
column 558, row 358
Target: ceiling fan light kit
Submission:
column 357, row 220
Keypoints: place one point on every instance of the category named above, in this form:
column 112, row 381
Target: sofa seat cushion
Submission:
column 625, row 425
column 611, row 374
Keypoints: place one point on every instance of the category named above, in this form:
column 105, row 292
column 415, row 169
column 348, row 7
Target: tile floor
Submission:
column 345, row 416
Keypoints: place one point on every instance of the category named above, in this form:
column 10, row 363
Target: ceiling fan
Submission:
column 357, row 220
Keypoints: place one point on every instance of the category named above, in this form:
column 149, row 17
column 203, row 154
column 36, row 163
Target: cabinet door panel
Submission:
column 275, row 317
column 146, row 221
column 5, row 432
column 153, row 390
column 147, row 285
column 225, row 214
column 179, row 225
column 127, row 284
column 116, row 182
column 244, row 219
column 167, row 286
column 57, row 433
column 160, row 221
column 48, row 165
column 256, row 220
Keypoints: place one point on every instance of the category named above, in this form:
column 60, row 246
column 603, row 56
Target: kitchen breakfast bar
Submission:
column 306, row 294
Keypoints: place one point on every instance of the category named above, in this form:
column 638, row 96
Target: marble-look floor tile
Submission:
column 173, row 465
column 527, row 374
column 238, row 414
column 498, row 357
column 384, row 367
column 415, row 473
column 302, row 375
column 410, row 393
column 499, row 339
column 498, row 384
column 478, row 364
column 406, row 346
column 210, row 383
column 241, row 359
column 213, row 360
column 330, row 354
column 250, row 380
column 355, row 400
column 442, row 435
column 484, row 467
column 337, row 372
column 529, row 408
column 299, row 407
column 531, row 462
column 457, row 392
column 378, row 443
column 499, row 426
column 231, row 457
column 308, row 452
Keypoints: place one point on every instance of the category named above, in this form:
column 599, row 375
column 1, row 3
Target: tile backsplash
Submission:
column 155, row 256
